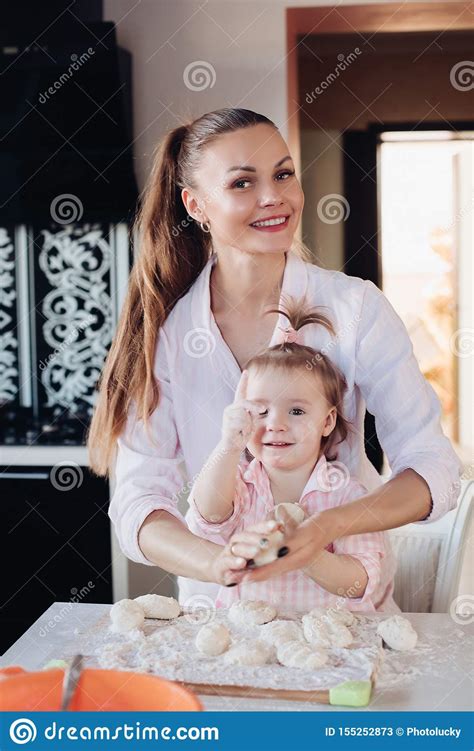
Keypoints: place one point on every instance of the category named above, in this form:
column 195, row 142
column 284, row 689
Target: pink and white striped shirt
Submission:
column 295, row 590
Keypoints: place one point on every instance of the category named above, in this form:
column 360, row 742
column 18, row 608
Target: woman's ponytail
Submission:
column 172, row 250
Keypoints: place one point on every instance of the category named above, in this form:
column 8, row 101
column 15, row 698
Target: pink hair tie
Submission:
column 290, row 335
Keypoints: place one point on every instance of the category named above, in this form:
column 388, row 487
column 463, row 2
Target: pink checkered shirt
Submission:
column 295, row 590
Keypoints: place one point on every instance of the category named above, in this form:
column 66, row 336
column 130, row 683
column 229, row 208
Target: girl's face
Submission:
column 245, row 177
column 288, row 434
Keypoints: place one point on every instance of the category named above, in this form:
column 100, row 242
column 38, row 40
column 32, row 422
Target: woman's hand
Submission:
column 226, row 568
column 231, row 564
column 238, row 422
column 304, row 542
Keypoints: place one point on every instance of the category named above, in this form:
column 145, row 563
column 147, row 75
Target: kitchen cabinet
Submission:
column 55, row 541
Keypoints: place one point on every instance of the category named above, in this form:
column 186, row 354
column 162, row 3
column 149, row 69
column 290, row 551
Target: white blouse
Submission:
column 198, row 375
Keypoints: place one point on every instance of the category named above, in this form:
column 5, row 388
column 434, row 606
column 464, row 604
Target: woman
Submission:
column 216, row 229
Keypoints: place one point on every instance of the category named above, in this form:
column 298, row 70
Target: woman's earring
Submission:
column 201, row 224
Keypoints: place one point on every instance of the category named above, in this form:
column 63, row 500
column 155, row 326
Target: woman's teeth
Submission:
column 270, row 222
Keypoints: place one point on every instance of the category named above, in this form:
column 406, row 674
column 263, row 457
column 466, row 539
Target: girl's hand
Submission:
column 238, row 422
column 304, row 543
column 247, row 543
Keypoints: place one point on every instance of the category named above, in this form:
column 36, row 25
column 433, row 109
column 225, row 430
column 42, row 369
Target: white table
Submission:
column 437, row 676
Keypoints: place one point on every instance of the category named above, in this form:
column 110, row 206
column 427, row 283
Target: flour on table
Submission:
column 164, row 635
column 168, row 649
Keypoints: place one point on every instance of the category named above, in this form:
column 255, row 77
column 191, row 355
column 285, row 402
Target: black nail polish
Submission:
column 251, row 563
column 283, row 551
column 234, row 584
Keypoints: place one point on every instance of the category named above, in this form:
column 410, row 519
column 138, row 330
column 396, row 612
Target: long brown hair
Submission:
column 173, row 251
column 293, row 355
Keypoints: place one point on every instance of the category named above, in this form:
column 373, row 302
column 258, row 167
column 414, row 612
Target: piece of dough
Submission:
column 126, row 615
column 269, row 552
column 297, row 654
column 251, row 612
column 325, row 632
column 293, row 510
column 398, row 633
column 278, row 632
column 338, row 615
column 213, row 639
column 249, row 653
column 158, row 606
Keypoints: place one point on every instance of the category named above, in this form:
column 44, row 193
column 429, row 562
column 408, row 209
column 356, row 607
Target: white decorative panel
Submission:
column 8, row 319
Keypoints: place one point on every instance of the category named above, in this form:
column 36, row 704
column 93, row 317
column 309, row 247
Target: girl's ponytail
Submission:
column 291, row 354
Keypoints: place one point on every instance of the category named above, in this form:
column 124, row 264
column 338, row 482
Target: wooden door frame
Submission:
column 363, row 19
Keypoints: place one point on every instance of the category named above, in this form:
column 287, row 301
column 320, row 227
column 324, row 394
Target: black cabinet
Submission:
column 55, row 542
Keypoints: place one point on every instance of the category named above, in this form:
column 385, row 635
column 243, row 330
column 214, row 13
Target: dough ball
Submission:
column 398, row 633
column 315, row 630
column 251, row 612
column 249, row 653
column 337, row 615
column 293, row 510
column 323, row 632
column 126, row 615
column 297, row 654
column 278, row 632
column 213, row 639
column 157, row 606
column 269, row 553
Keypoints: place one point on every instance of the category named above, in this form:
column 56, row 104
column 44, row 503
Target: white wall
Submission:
column 244, row 41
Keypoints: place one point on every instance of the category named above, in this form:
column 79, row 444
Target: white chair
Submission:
column 429, row 558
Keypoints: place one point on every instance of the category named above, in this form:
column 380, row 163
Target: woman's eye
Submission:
column 297, row 411
column 285, row 173
column 263, row 414
column 236, row 184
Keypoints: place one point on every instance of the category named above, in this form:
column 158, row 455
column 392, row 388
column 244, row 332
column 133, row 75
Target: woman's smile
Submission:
column 272, row 224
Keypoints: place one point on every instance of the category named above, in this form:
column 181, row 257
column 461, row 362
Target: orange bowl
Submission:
column 97, row 690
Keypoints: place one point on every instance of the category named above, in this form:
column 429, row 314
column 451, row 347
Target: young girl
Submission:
column 288, row 413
